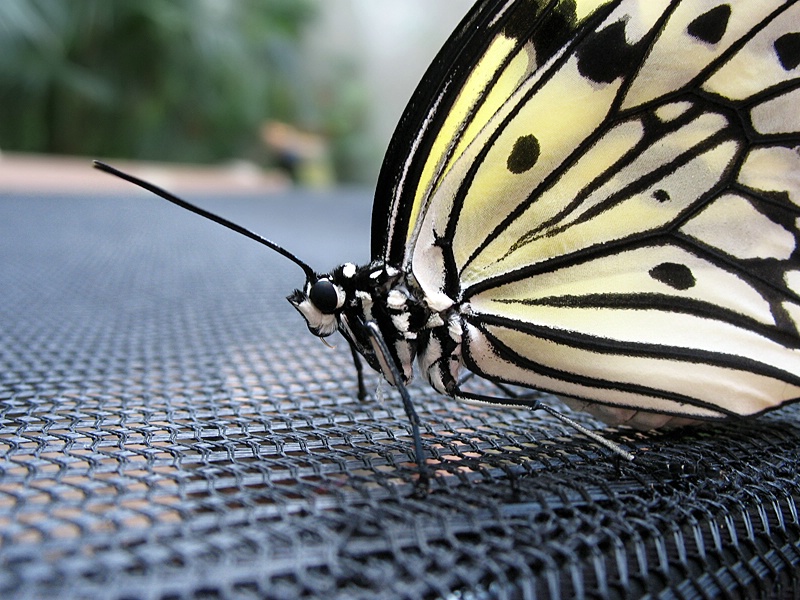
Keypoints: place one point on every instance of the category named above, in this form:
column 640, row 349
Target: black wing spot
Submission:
column 661, row 195
column 556, row 28
column 606, row 55
column 323, row 295
column 674, row 275
column 524, row 154
column 524, row 19
column 711, row 25
column 787, row 47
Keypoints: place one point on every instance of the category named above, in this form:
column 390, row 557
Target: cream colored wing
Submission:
column 619, row 224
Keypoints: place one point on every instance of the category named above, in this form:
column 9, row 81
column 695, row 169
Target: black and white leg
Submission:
column 362, row 389
column 535, row 403
column 408, row 405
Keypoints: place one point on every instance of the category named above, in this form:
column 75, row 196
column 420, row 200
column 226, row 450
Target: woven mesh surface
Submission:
column 169, row 430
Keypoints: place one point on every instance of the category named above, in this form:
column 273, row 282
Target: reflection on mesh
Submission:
column 169, row 430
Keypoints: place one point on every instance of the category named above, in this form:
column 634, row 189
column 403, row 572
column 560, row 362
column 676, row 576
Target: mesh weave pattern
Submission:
column 169, row 430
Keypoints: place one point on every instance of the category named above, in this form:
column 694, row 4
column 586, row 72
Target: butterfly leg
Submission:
column 362, row 389
column 408, row 406
column 536, row 404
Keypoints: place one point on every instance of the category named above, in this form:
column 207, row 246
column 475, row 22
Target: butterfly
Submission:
column 596, row 199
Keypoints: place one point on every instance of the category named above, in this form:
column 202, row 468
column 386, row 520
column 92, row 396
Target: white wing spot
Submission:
column 670, row 112
column 793, row 310
column 778, row 115
column 792, row 279
column 775, row 169
column 734, row 226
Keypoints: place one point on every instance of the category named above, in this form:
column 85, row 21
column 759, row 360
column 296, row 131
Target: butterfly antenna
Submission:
column 310, row 274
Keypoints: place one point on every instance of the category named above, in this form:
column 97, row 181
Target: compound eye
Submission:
column 324, row 296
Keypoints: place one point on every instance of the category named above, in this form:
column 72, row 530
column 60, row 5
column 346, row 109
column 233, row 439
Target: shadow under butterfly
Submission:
column 593, row 199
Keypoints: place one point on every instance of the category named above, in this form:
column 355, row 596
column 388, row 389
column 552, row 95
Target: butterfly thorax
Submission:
column 349, row 297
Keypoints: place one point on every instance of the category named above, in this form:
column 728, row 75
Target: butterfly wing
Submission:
column 610, row 191
column 486, row 58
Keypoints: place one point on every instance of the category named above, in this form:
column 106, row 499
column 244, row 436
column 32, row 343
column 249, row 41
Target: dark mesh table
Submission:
column 169, row 430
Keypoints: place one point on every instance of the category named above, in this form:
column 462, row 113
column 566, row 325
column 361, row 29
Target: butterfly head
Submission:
column 349, row 297
column 320, row 302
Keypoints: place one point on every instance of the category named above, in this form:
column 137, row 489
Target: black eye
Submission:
column 323, row 295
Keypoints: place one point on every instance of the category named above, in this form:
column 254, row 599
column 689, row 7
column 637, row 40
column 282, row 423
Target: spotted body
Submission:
column 599, row 199
column 351, row 296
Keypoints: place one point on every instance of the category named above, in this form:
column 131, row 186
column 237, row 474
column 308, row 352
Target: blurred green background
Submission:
column 272, row 82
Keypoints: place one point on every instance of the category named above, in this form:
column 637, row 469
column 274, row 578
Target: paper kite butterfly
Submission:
column 600, row 200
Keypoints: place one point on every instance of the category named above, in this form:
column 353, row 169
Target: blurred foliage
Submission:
column 187, row 80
